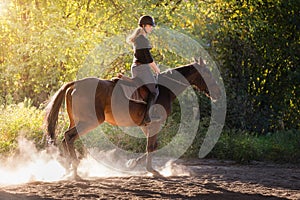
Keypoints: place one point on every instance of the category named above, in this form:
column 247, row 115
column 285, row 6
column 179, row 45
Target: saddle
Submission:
column 131, row 89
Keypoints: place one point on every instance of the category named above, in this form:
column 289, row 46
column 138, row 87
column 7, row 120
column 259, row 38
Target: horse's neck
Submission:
column 176, row 80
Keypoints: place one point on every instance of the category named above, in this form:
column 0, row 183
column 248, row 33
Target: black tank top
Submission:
column 142, row 49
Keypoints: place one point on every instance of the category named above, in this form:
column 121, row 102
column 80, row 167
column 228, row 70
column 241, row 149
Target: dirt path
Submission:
column 209, row 179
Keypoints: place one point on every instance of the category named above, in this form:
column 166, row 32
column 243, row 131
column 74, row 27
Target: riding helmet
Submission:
column 146, row 19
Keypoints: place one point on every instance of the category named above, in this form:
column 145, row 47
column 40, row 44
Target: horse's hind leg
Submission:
column 71, row 162
column 68, row 144
column 66, row 160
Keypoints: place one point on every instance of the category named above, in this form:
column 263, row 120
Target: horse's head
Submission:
column 202, row 78
column 196, row 74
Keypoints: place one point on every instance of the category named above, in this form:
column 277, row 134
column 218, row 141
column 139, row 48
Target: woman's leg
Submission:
column 144, row 73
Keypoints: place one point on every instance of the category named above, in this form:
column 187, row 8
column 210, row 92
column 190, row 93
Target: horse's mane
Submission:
column 181, row 69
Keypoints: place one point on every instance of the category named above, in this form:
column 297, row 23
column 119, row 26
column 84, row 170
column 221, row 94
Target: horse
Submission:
column 92, row 101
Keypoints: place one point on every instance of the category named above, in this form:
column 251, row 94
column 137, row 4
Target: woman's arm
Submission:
column 154, row 67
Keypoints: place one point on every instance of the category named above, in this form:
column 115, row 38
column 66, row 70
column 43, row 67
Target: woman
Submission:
column 143, row 60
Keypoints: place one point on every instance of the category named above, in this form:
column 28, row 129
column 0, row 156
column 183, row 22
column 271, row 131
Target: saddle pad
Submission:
column 132, row 94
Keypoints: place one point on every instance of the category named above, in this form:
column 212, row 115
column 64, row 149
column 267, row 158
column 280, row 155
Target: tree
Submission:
column 256, row 43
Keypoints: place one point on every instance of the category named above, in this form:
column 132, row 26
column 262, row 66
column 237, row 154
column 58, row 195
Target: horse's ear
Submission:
column 195, row 60
column 201, row 62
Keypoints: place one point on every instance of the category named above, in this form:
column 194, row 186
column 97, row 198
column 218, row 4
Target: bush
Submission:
column 19, row 120
column 281, row 147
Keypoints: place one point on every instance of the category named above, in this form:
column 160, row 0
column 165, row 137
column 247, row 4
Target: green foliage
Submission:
column 257, row 43
column 244, row 147
column 22, row 120
column 45, row 43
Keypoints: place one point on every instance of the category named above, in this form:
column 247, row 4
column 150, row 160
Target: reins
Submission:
column 176, row 81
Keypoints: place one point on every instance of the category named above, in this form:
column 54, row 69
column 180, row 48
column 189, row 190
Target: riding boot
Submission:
column 150, row 117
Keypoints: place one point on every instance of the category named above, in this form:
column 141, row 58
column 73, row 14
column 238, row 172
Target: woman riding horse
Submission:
column 143, row 61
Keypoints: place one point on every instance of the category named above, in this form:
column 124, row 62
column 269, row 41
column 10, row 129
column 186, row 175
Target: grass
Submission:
column 279, row 147
column 25, row 120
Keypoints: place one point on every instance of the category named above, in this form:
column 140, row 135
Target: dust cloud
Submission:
column 31, row 165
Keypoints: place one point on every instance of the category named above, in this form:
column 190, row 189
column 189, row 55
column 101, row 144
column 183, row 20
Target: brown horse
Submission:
column 91, row 101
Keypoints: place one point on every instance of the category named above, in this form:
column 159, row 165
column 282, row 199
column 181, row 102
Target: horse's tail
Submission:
column 52, row 111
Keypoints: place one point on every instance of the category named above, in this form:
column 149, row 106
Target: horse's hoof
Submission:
column 155, row 173
column 131, row 163
column 71, row 176
column 78, row 178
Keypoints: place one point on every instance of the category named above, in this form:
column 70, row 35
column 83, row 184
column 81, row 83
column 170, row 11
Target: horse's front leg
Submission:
column 132, row 163
column 151, row 133
column 151, row 147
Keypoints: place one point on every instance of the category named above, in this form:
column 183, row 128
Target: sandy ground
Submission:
column 208, row 179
